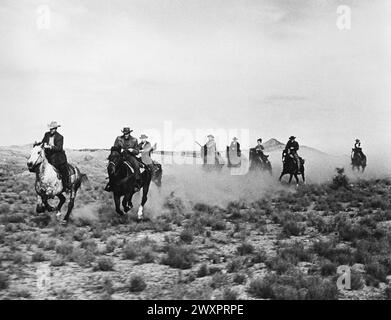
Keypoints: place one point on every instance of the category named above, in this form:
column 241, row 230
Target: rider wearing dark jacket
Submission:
column 357, row 148
column 259, row 148
column 53, row 144
column 129, row 147
column 291, row 148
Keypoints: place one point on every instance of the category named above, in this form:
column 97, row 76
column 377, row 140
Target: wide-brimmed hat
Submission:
column 126, row 130
column 357, row 140
column 210, row 136
column 234, row 138
column 143, row 136
column 292, row 137
column 53, row 125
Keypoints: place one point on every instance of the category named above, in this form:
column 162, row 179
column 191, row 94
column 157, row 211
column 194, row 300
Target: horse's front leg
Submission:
column 62, row 199
column 125, row 201
column 117, row 199
column 70, row 206
column 143, row 200
column 130, row 204
column 297, row 180
column 282, row 174
column 290, row 178
column 302, row 175
column 48, row 207
column 40, row 208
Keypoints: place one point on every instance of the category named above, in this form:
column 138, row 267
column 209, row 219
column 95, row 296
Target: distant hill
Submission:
column 273, row 144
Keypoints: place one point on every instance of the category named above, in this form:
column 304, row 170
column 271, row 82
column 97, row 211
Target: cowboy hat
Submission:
column 143, row 136
column 53, row 125
column 357, row 140
column 292, row 137
column 126, row 130
column 210, row 136
column 234, row 138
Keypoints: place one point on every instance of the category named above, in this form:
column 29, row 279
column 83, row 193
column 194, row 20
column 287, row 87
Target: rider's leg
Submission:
column 64, row 175
column 136, row 166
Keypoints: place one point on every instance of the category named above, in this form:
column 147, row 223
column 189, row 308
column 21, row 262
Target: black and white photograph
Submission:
column 195, row 150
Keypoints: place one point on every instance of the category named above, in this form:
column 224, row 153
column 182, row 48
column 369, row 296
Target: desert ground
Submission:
column 204, row 236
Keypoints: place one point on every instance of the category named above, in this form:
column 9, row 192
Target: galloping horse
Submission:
column 358, row 160
column 48, row 183
column 290, row 167
column 256, row 161
column 123, row 182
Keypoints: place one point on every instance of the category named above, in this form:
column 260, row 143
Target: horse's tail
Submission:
column 83, row 178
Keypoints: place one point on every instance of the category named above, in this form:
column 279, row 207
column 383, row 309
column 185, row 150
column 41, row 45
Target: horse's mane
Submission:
column 114, row 154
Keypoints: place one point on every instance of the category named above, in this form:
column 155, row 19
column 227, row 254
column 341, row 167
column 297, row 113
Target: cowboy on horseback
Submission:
column 53, row 144
column 259, row 150
column 291, row 149
column 357, row 149
column 234, row 153
column 128, row 146
column 145, row 149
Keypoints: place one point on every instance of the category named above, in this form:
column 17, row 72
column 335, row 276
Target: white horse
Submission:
column 48, row 183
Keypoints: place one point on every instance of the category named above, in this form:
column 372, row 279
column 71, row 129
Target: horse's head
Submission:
column 115, row 159
column 36, row 157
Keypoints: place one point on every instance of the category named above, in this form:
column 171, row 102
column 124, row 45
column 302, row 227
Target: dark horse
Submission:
column 359, row 159
column 290, row 167
column 122, row 181
column 260, row 162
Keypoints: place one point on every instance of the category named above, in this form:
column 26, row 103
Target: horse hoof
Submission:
column 126, row 209
column 120, row 212
column 64, row 222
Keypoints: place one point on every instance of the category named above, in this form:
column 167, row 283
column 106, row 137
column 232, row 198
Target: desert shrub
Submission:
column 129, row 251
column 79, row 234
column 377, row 271
column 12, row 218
column 48, row 244
column 234, row 265
column 245, row 248
column 136, row 283
column 278, row 264
column 259, row 256
column 294, row 286
column 175, row 205
column 179, row 257
column 203, row 270
column 356, row 281
column 104, row 264
column 229, row 294
column 111, row 244
column 202, row 207
column 340, row 180
column 4, row 280
column 18, row 258
column 239, row 278
column 146, row 255
column 262, row 288
column 387, row 293
column 328, row 268
column 57, row 261
column 295, row 253
column 89, row 245
column 64, row 248
column 218, row 280
column 186, row 236
column 38, row 256
column 292, row 228
column 5, row 208
column 82, row 257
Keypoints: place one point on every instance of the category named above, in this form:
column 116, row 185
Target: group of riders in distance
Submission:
column 130, row 167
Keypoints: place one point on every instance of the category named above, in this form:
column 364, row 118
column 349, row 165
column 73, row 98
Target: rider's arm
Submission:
column 58, row 144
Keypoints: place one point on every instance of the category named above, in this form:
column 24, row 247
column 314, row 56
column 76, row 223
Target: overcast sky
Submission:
column 274, row 67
